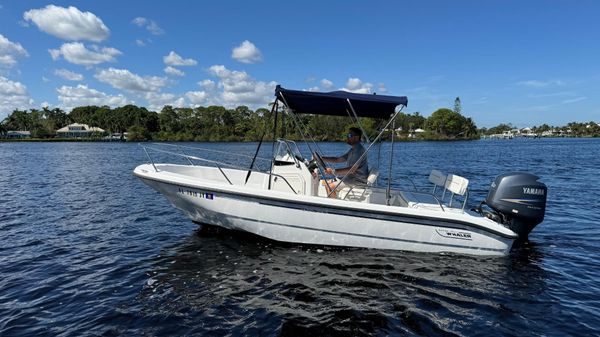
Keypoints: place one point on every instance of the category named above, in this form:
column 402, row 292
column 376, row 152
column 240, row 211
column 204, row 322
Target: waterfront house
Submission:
column 18, row 134
column 76, row 130
column 528, row 132
column 115, row 136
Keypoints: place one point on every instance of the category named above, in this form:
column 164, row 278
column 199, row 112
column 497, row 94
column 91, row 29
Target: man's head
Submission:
column 353, row 136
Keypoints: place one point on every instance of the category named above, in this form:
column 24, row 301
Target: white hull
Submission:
column 205, row 197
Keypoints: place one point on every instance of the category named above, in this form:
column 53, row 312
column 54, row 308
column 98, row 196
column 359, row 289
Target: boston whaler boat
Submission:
column 290, row 201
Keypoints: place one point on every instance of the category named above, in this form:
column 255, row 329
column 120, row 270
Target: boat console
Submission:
column 291, row 171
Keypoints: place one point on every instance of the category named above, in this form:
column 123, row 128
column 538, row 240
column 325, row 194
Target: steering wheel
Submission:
column 319, row 160
column 311, row 165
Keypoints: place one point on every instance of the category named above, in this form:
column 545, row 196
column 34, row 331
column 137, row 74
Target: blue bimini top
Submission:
column 335, row 103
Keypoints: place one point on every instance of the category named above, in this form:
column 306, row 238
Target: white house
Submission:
column 18, row 134
column 76, row 130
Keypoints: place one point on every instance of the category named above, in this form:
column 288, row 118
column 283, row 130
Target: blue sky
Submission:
column 520, row 62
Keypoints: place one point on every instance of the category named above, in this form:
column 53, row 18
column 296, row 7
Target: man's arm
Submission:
column 341, row 171
column 333, row 159
column 339, row 159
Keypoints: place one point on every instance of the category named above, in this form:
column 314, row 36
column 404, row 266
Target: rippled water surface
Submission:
column 87, row 249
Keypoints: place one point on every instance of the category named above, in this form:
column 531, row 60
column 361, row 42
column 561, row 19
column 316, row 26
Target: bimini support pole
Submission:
column 258, row 147
column 364, row 155
column 299, row 126
column 358, row 121
column 275, row 108
column 388, row 195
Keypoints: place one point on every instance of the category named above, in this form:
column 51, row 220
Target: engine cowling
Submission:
column 521, row 200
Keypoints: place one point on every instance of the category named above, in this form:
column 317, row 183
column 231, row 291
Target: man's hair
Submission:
column 356, row 131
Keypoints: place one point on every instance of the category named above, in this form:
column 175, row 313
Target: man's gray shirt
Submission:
column 351, row 157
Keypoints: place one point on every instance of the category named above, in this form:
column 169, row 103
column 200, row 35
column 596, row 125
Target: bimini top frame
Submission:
column 336, row 103
column 342, row 103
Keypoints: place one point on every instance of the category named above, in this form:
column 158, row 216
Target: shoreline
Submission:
column 84, row 140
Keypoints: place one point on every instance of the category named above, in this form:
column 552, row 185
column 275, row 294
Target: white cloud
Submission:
column 314, row 89
column 173, row 71
column 139, row 21
column 246, row 53
column 126, row 80
column 81, row 95
column 241, row 89
column 10, row 51
column 540, row 84
column 150, row 25
column 553, row 94
column 13, row 95
column 573, row 100
column 175, row 60
column 355, row 85
column 68, row 75
column 537, row 108
column 197, row 97
column 77, row 53
column 68, row 23
column 326, row 84
column 154, row 29
column 480, row 100
column 45, row 79
column 156, row 101
column 207, row 84
column 140, row 43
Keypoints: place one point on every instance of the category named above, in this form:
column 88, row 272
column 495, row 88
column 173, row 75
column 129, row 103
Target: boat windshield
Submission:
column 287, row 151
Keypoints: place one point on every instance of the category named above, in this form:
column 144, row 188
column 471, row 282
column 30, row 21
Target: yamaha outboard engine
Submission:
column 519, row 201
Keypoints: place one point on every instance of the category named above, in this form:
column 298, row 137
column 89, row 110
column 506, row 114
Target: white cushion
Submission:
column 437, row 178
column 456, row 184
column 372, row 178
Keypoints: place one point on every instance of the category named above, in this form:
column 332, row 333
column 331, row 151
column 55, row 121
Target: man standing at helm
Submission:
column 349, row 175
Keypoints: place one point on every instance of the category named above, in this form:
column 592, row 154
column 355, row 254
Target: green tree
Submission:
column 500, row 128
column 168, row 120
column 137, row 133
column 457, row 106
column 19, row 120
column 84, row 115
column 445, row 122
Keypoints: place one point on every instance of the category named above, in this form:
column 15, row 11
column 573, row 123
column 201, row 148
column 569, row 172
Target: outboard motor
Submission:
column 519, row 200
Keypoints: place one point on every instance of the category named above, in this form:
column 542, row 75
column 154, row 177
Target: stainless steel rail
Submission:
column 216, row 163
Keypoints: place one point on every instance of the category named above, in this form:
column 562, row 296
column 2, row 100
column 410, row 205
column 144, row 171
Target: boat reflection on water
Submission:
column 266, row 287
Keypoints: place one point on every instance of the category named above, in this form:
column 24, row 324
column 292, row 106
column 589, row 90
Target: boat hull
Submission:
column 322, row 224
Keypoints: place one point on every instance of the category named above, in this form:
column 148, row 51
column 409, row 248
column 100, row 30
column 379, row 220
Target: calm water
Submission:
column 87, row 249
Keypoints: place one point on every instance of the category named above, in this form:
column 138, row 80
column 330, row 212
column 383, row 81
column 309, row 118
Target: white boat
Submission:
column 290, row 203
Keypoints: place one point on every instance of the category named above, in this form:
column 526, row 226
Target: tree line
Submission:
column 217, row 123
